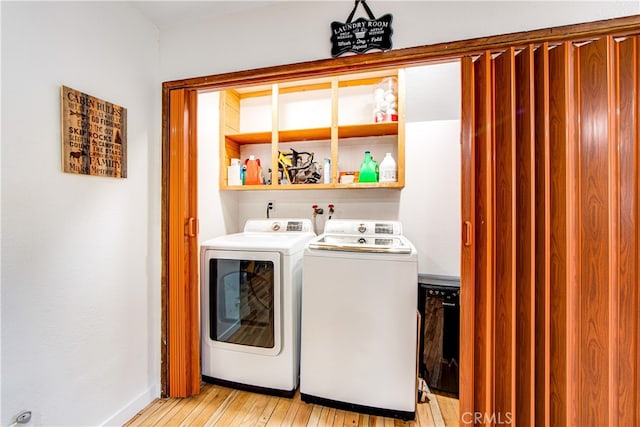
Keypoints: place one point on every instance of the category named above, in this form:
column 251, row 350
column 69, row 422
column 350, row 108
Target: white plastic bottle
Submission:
column 327, row 171
column 234, row 173
column 388, row 169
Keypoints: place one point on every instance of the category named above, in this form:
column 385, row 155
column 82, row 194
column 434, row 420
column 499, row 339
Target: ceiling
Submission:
column 165, row 14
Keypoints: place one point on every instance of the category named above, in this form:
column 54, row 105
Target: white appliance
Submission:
column 250, row 305
column 359, row 319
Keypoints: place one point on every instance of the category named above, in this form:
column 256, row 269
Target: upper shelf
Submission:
column 316, row 134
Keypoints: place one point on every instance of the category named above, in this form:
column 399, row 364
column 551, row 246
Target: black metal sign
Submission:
column 361, row 35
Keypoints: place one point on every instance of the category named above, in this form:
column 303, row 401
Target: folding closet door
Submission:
column 551, row 234
column 180, row 332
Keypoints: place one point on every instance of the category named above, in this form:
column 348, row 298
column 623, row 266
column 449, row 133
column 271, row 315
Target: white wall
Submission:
column 296, row 31
column 80, row 254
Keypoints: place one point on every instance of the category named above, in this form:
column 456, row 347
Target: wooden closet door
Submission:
column 551, row 181
column 181, row 334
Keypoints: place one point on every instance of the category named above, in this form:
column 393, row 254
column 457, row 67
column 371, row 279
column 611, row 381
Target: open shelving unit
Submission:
column 330, row 115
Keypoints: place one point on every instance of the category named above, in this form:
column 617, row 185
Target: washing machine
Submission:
column 359, row 319
column 250, row 305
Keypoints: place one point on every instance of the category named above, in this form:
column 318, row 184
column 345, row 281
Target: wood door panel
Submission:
column 483, row 338
column 627, row 54
column 504, row 228
column 468, row 241
column 542, row 237
column 597, row 227
column 525, row 297
column 559, row 140
column 182, row 334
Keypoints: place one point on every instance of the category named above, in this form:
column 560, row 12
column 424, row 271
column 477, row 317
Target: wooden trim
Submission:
column 636, row 216
column 335, row 131
column 275, row 133
column 402, row 115
column 410, row 56
column 164, row 238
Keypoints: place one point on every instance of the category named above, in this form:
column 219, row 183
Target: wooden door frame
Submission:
column 414, row 56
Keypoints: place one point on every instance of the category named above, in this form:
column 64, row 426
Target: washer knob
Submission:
column 362, row 240
column 362, row 228
column 275, row 226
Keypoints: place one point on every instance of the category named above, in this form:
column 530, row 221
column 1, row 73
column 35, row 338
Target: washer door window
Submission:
column 243, row 297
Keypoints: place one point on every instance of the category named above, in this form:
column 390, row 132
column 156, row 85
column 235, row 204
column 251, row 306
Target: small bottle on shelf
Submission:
column 326, row 171
column 388, row 169
column 234, row 173
column 368, row 169
column 254, row 171
column 386, row 101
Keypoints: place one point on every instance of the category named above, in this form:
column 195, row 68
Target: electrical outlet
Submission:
column 23, row 417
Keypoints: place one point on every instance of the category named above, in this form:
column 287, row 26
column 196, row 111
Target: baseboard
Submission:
column 133, row 407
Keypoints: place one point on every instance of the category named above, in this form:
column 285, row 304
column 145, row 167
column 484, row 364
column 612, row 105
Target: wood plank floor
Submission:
column 221, row 406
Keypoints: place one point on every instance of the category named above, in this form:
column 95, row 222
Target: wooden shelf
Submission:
column 317, row 134
column 250, row 138
column 326, row 90
column 288, row 187
column 368, row 129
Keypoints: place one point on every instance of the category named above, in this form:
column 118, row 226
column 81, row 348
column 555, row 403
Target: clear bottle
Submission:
column 368, row 169
column 385, row 99
column 388, row 169
column 326, row 171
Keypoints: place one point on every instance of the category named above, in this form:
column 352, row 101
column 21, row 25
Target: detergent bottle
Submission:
column 388, row 169
column 254, row 171
column 368, row 169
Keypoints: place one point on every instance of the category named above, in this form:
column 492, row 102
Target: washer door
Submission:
column 241, row 300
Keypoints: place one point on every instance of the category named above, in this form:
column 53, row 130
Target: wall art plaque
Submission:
column 361, row 35
column 94, row 135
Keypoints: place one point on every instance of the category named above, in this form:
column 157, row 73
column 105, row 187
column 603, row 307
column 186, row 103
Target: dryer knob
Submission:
column 362, row 240
column 362, row 228
column 275, row 226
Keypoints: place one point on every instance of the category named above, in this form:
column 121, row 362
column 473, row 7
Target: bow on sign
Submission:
column 361, row 35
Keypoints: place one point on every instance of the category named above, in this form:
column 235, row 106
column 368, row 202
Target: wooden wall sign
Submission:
column 94, row 135
column 361, row 35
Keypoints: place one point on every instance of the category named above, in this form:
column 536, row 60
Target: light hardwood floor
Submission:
column 221, row 406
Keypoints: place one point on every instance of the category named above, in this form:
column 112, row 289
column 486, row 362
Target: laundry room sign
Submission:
column 361, row 35
column 94, row 135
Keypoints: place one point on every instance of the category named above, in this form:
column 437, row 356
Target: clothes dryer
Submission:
column 250, row 305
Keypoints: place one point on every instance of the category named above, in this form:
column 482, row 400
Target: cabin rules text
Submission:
column 94, row 135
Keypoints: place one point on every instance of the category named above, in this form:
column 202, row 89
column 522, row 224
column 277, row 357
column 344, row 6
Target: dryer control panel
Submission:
column 279, row 225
